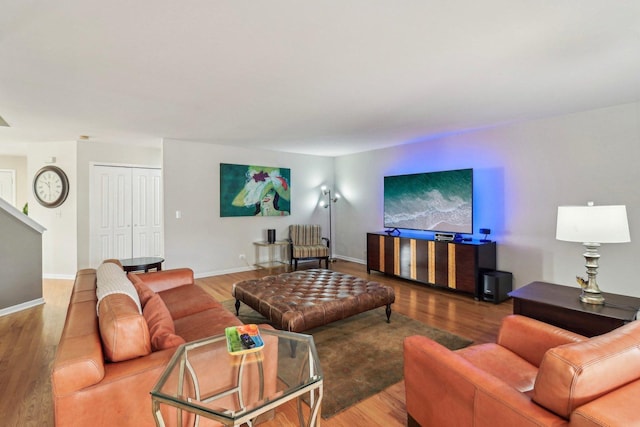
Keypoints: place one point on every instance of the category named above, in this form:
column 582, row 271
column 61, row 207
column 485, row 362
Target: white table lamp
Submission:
column 592, row 225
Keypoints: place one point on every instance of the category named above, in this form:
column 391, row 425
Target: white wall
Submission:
column 203, row 240
column 59, row 242
column 18, row 164
column 522, row 172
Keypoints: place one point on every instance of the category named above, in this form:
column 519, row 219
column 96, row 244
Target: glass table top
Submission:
column 204, row 380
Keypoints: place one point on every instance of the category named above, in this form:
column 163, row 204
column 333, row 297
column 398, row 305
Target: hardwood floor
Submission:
column 28, row 340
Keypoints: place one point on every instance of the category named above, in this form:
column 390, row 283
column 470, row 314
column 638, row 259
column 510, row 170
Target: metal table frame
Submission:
column 313, row 386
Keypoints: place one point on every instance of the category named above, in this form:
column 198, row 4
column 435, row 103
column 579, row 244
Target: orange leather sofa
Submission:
column 534, row 375
column 105, row 379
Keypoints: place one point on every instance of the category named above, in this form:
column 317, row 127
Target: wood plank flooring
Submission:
column 28, row 340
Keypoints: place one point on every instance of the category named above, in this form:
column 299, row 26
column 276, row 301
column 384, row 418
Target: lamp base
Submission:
column 590, row 290
column 591, row 298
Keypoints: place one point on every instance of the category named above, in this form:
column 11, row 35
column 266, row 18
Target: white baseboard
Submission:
column 59, row 276
column 355, row 260
column 20, row 307
column 221, row 272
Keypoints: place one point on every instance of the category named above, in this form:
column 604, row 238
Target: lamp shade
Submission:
column 593, row 224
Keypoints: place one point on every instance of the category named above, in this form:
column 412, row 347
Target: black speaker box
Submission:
column 496, row 286
column 271, row 235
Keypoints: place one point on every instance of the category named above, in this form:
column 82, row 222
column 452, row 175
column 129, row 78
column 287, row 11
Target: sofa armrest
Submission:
column 530, row 338
column 442, row 388
column 615, row 408
column 572, row 375
column 121, row 398
column 159, row 281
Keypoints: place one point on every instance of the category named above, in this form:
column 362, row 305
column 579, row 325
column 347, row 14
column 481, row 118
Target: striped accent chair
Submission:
column 306, row 242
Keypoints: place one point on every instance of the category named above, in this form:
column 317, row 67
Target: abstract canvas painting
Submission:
column 248, row 190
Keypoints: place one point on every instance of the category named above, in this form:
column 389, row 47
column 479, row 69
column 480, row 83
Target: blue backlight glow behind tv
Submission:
column 431, row 201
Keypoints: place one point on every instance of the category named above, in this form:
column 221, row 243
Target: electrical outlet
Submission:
column 242, row 257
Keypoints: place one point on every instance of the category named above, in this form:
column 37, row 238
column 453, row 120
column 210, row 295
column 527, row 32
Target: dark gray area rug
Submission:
column 361, row 355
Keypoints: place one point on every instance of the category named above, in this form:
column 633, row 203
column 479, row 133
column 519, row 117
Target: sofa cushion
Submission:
column 111, row 279
column 123, row 329
column 159, row 281
column 503, row 364
column 188, row 299
column 572, row 375
column 205, row 323
column 310, row 251
column 144, row 292
column 160, row 325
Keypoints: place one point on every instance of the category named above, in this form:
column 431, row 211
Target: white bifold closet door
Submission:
column 126, row 213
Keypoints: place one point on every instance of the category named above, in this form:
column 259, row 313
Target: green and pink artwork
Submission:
column 247, row 190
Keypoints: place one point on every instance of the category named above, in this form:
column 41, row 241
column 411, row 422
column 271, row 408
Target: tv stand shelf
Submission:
column 454, row 265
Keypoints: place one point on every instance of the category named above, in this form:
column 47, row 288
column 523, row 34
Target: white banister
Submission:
column 13, row 211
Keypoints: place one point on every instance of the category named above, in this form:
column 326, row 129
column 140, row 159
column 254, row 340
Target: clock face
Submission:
column 51, row 186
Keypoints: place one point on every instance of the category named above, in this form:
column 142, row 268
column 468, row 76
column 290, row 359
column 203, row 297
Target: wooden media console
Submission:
column 454, row 265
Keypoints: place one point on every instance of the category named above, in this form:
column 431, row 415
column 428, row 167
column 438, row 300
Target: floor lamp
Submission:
column 326, row 203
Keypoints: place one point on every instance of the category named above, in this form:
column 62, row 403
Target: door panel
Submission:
column 110, row 223
column 147, row 212
column 121, row 214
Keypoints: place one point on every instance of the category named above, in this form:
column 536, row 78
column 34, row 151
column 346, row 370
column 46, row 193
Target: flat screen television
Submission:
column 431, row 201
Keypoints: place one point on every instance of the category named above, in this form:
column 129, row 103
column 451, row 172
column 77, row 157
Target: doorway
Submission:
column 125, row 213
column 8, row 185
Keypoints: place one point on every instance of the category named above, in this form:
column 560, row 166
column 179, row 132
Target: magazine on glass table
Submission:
column 243, row 339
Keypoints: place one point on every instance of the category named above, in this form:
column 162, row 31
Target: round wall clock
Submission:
column 51, row 186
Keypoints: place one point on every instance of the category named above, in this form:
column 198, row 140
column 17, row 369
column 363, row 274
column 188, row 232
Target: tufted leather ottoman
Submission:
column 303, row 300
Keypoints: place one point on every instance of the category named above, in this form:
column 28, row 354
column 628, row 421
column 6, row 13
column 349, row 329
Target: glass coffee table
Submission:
column 203, row 380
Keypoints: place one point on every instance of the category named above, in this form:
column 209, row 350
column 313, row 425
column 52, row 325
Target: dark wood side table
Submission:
column 559, row 305
column 143, row 263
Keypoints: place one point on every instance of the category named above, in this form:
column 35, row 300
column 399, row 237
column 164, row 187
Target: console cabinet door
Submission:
column 390, row 256
column 465, row 268
column 406, row 260
column 421, row 261
column 373, row 252
column 441, row 273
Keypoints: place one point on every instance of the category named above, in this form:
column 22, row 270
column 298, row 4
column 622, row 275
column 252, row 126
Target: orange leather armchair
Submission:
column 534, row 375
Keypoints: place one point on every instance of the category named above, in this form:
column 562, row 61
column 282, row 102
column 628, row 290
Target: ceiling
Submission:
column 325, row 77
